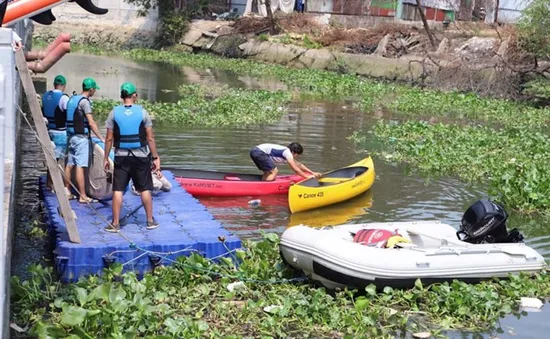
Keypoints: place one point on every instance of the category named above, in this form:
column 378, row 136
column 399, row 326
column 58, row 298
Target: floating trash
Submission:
column 255, row 202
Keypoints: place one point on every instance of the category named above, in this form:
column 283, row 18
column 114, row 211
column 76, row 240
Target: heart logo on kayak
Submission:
column 299, row 195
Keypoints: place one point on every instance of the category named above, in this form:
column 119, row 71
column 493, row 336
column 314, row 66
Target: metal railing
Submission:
column 9, row 93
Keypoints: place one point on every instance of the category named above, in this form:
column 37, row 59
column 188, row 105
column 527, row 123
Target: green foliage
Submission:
column 310, row 43
column 174, row 16
column 512, row 160
column 539, row 89
column 285, row 39
column 214, row 106
column 263, row 37
column 190, row 299
column 534, row 28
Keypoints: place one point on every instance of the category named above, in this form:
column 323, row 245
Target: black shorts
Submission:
column 137, row 169
column 262, row 160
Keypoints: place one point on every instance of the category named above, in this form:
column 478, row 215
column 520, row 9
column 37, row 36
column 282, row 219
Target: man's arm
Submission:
column 296, row 168
column 93, row 126
column 109, row 125
column 86, row 107
column 305, row 169
column 63, row 102
column 153, row 147
column 108, row 144
column 148, row 124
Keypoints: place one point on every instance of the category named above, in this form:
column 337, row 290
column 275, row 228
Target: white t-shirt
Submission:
column 63, row 101
column 278, row 153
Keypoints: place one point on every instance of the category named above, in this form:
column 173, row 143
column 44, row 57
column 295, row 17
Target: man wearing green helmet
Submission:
column 80, row 122
column 130, row 130
column 54, row 110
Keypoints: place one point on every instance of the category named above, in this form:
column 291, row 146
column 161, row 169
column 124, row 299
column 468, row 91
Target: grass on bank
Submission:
column 191, row 300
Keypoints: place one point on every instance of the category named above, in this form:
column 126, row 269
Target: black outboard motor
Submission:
column 485, row 222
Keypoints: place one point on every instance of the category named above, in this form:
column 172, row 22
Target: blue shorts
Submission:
column 59, row 139
column 79, row 151
column 262, row 160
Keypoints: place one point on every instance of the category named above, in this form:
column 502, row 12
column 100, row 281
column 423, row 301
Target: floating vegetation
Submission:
column 214, row 106
column 193, row 299
column 512, row 160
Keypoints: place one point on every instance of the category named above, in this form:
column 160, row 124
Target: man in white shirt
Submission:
column 266, row 156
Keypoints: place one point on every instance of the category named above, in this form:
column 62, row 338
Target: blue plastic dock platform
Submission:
column 185, row 227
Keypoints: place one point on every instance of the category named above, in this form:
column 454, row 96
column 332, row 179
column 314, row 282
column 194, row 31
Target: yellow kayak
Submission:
column 333, row 187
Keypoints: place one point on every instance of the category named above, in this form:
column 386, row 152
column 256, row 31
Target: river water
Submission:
column 323, row 129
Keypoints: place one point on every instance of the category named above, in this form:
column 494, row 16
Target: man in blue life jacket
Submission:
column 79, row 123
column 130, row 129
column 267, row 156
column 54, row 109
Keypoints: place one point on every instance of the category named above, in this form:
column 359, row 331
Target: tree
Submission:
column 174, row 15
column 534, row 29
column 425, row 22
column 272, row 29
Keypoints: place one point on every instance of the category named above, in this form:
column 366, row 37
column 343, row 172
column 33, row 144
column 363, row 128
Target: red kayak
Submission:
column 219, row 184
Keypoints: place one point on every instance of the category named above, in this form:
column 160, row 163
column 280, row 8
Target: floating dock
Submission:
column 186, row 226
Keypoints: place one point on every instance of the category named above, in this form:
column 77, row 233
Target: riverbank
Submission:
column 262, row 296
column 474, row 58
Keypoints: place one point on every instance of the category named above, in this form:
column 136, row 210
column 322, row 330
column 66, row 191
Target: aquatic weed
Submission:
column 512, row 160
column 191, row 299
column 221, row 106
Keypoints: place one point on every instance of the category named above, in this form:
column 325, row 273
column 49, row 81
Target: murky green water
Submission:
column 323, row 129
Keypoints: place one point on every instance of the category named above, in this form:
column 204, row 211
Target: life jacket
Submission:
column 129, row 129
column 57, row 118
column 76, row 118
column 378, row 238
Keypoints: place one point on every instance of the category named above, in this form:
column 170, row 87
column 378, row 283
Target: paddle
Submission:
column 123, row 220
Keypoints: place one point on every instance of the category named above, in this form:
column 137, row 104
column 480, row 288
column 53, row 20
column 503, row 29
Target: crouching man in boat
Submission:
column 54, row 109
column 265, row 156
column 130, row 128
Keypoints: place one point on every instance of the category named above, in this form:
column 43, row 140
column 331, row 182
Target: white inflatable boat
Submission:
column 434, row 254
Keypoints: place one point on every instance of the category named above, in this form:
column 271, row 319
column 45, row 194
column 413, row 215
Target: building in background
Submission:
column 490, row 11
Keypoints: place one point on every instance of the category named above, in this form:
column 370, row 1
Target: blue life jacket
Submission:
column 129, row 129
column 57, row 118
column 76, row 118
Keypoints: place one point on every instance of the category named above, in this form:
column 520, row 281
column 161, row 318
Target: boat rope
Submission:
column 163, row 255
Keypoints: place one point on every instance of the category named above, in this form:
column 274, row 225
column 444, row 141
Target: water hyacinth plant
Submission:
column 512, row 160
column 214, row 106
column 192, row 299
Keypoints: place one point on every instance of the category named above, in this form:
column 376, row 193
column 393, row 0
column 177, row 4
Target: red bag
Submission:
column 373, row 237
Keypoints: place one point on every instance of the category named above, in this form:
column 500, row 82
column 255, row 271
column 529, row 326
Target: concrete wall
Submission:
column 120, row 14
column 10, row 97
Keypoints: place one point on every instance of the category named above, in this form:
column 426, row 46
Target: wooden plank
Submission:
column 47, row 148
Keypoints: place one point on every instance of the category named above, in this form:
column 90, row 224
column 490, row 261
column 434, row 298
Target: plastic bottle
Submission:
column 255, row 202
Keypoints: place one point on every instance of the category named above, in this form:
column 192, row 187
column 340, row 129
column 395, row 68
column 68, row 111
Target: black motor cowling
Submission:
column 485, row 222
